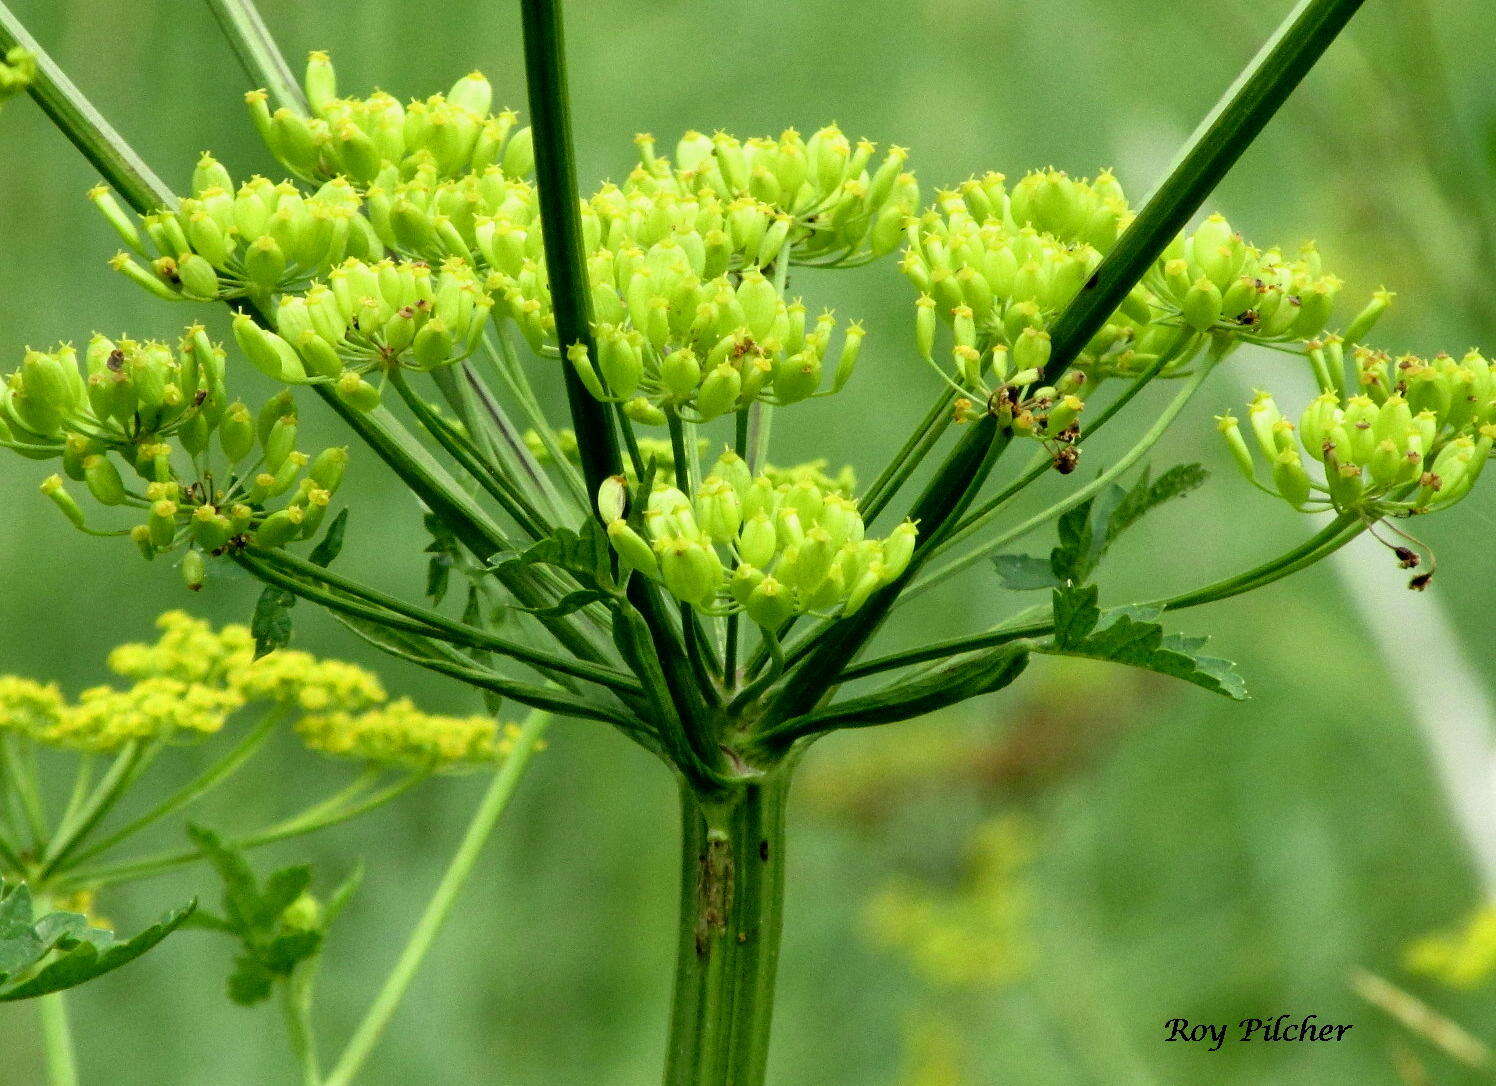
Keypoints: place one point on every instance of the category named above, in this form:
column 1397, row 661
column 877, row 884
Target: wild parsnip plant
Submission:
column 647, row 567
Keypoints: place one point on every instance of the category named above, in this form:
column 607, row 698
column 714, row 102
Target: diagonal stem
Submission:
column 241, row 24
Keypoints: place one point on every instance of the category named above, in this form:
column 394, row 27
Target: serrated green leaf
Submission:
column 91, row 954
column 19, row 946
column 242, row 904
column 1075, row 614
column 583, row 553
column 271, row 624
column 1124, row 638
column 567, row 604
column 331, row 544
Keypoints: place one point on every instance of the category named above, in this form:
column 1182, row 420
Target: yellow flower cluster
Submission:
column 1464, row 958
column 401, row 734
column 193, row 677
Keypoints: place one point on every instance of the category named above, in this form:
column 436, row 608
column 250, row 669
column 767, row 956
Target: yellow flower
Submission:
column 1464, row 958
column 399, row 734
column 105, row 718
column 316, row 686
column 28, row 707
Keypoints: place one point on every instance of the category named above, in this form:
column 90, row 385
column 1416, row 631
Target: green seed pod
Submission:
column 643, row 412
column 1031, row 349
column 847, row 363
column 433, row 345
column 194, row 570
column 328, row 468
column 680, row 373
column 759, row 543
column 163, row 523
column 898, row 549
column 210, row 528
column 612, row 498
column 581, row 361
column 1290, row 477
column 236, row 433
column 318, row 357
column 734, row 469
column 54, row 489
column 718, row 510
column 472, row 92
column 279, row 528
column 1360, row 327
column 280, row 443
column 633, row 552
column 1316, row 423
column 267, row 352
column 103, row 480
column 140, row 535
column 797, row 377
column 720, row 392
column 198, row 279
column 770, row 604
column 357, row 393
column 321, row 81
column 1202, row 306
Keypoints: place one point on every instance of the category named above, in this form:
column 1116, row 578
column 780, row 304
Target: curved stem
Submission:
column 485, row 818
column 296, row 1007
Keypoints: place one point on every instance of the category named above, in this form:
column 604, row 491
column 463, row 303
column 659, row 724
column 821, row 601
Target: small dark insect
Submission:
column 1066, row 460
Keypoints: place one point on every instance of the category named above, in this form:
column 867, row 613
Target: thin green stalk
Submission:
column 22, row 782
column 296, row 1008
column 501, row 353
column 1321, row 545
column 561, row 225
column 122, row 773
column 330, row 812
column 209, row 779
column 431, row 623
column 490, row 809
column 257, row 52
column 1217, row 145
column 57, row 1040
column 76, row 118
column 917, row 446
column 1122, row 465
column 510, row 444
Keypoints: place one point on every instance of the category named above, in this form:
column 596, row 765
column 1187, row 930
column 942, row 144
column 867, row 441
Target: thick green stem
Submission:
column 296, row 1006
column 246, row 31
column 731, row 913
column 57, row 1040
column 485, row 818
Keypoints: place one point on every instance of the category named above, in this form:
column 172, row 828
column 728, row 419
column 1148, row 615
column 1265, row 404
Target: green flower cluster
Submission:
column 206, row 472
column 833, row 204
column 17, row 70
column 997, row 265
column 743, row 542
column 369, row 318
column 256, row 241
column 1406, row 436
column 378, row 140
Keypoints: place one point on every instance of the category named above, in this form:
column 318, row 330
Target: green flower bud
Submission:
column 328, row 468
column 163, row 523
column 1290, row 477
column 472, row 92
column 612, row 498
column 210, row 528
column 280, row 443
column 318, row 357
column 633, row 551
column 680, row 373
column 1360, row 327
column 719, row 392
column 760, row 540
column 194, row 570
column 1031, row 350
column 718, row 510
column 734, row 469
column 103, row 480
column 54, row 489
column 1202, row 305
column 236, row 433
column 643, row 412
column 140, row 535
column 770, row 604
column 898, row 549
column 357, row 393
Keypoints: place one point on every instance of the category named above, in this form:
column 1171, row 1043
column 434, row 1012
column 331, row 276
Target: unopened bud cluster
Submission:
column 377, row 139
column 147, row 428
column 368, row 318
column 1407, row 436
column 741, row 542
column 255, row 241
column 837, row 205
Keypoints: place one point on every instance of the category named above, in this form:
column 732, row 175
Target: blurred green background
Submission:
column 1021, row 891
